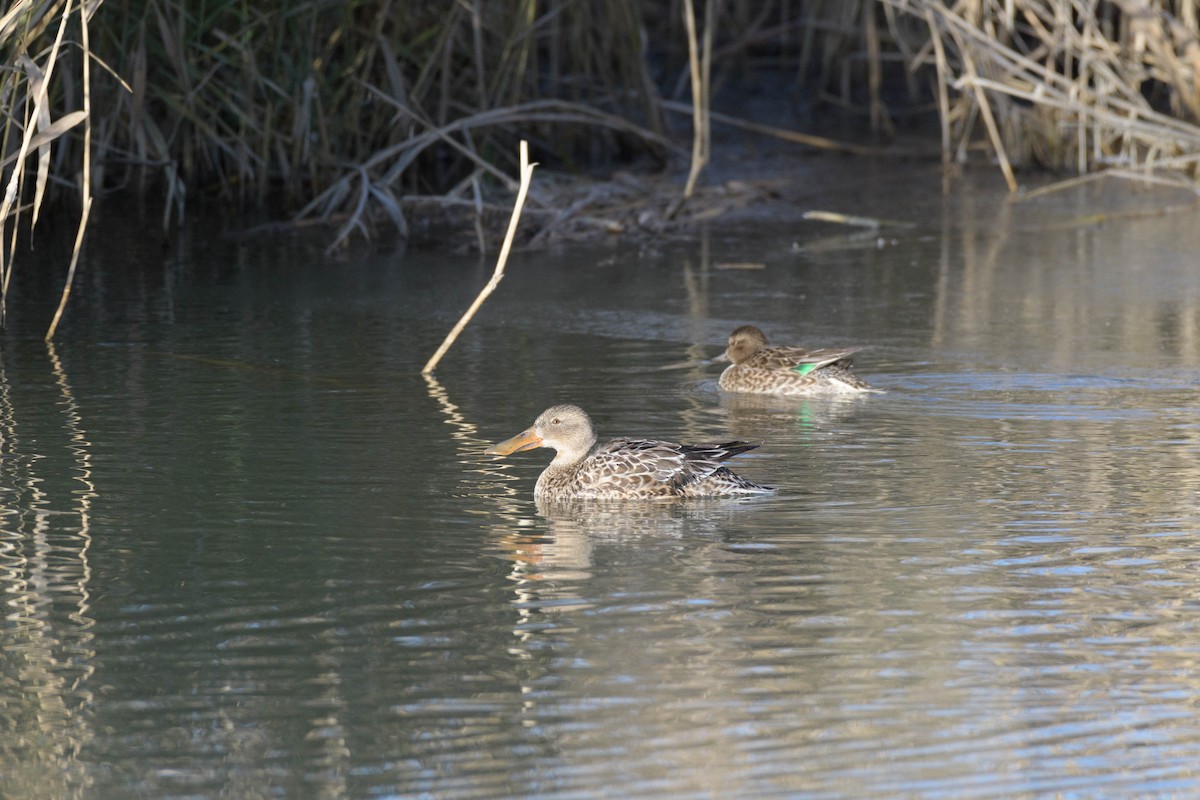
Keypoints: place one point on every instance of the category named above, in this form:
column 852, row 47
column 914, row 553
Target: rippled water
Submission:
column 246, row 551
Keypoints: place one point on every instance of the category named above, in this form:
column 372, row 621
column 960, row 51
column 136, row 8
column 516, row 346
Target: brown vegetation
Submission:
column 364, row 112
column 1067, row 85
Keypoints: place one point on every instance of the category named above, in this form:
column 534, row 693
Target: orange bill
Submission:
column 526, row 440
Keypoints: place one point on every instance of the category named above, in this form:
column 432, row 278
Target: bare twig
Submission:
column 501, row 260
column 86, row 179
column 850, row 219
column 985, row 109
column 943, row 78
column 700, row 66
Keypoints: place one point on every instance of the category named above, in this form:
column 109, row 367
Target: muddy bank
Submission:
column 750, row 180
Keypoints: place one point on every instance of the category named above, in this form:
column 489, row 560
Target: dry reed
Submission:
column 501, row 261
column 700, row 70
column 33, row 35
column 343, row 112
column 357, row 112
column 349, row 112
column 1063, row 84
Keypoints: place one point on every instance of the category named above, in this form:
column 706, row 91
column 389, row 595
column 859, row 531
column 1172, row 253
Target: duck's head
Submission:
column 565, row 429
column 744, row 342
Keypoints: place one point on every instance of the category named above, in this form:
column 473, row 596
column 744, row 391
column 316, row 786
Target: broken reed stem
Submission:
column 985, row 111
column 879, row 120
column 9, row 206
column 498, row 273
column 706, row 58
column 66, row 292
column 86, row 187
column 699, row 69
column 943, row 79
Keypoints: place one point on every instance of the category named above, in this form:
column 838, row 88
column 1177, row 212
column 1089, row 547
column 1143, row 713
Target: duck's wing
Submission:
column 637, row 465
column 627, row 468
column 703, row 475
column 799, row 359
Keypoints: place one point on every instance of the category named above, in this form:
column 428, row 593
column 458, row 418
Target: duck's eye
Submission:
column 554, row 421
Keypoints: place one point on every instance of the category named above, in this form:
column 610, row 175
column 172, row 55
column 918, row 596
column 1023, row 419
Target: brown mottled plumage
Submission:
column 758, row 368
column 635, row 469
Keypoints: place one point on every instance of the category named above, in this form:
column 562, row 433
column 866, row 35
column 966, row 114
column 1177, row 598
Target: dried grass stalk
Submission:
column 501, row 261
column 27, row 103
column 85, row 187
column 1086, row 86
column 700, row 69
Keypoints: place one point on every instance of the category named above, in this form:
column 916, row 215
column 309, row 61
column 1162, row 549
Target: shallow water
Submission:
column 247, row 551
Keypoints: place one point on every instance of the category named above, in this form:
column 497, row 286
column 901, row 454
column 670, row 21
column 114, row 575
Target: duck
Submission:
column 759, row 368
column 625, row 468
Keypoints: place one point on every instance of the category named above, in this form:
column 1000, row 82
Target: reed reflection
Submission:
column 1069, row 288
column 516, row 535
column 488, row 477
column 45, row 538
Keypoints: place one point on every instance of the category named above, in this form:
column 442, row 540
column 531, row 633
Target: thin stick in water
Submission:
column 498, row 273
column 699, row 66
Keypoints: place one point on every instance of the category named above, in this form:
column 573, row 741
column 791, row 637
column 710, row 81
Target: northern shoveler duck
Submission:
column 633, row 469
column 758, row 368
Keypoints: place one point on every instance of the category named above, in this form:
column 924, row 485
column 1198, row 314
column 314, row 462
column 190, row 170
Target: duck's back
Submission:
column 649, row 469
column 789, row 358
column 795, row 371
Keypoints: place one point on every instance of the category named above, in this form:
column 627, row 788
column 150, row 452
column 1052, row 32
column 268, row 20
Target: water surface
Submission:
column 247, row 551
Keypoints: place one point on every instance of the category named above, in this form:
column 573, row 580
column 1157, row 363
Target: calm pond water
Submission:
column 246, row 551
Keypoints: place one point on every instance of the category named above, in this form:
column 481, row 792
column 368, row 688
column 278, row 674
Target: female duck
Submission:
column 633, row 469
column 758, row 368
